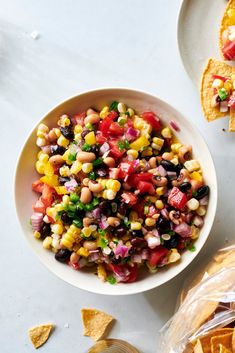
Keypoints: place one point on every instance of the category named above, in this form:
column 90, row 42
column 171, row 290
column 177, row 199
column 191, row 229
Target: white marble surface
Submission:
column 84, row 45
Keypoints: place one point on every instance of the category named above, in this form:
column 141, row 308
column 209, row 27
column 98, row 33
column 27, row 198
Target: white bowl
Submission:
column 26, row 174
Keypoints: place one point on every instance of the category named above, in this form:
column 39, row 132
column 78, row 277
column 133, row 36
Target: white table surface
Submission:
column 85, row 45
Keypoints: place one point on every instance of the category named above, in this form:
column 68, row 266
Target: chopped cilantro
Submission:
column 74, row 198
column 126, row 144
column 77, row 223
column 95, row 201
column 80, row 206
column 92, row 175
column 115, row 241
column 222, row 94
column 171, row 232
column 89, row 207
column 101, row 231
column 89, row 126
column 121, row 145
column 72, row 157
column 113, row 106
column 191, row 248
column 127, row 113
column 126, row 222
column 98, row 161
column 103, row 243
column 146, row 209
column 122, row 122
column 86, row 147
column 111, row 279
column 194, row 193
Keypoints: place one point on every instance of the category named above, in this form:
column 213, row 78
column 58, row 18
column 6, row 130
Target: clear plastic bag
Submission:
column 206, row 303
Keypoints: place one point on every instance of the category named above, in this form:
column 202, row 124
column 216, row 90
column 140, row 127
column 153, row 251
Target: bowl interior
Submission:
column 25, row 175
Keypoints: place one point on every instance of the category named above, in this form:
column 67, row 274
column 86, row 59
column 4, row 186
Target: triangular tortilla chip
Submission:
column 40, row 334
column 225, row 23
column 233, row 340
column 232, row 120
column 213, row 67
column 223, row 349
column 198, row 347
column 95, row 323
column 225, row 340
column 206, row 340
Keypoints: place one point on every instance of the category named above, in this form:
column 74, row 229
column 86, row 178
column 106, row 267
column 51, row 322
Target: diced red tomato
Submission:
column 152, row 119
column 229, row 50
column 100, row 138
column 129, row 123
column 177, row 198
column 74, row 266
column 157, row 255
column 133, row 274
column 145, row 187
column 37, row 186
column 125, row 169
column 231, row 102
column 39, row 206
column 115, row 151
column 115, row 129
column 113, row 173
column 139, row 207
column 124, row 273
column 47, row 195
column 106, row 122
column 135, row 178
column 219, row 77
column 129, row 198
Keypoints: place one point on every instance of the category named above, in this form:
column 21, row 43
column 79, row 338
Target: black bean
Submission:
column 184, row 187
column 85, row 132
column 119, row 231
column 122, row 208
column 178, row 168
column 202, row 192
column 63, row 180
column 45, row 230
column 171, row 243
column 101, row 172
column 95, row 149
column 163, row 224
column 55, row 149
column 105, row 207
column 139, row 243
column 63, row 255
column 67, row 132
column 116, row 261
column 136, row 233
column 65, row 218
column 80, row 213
column 168, row 166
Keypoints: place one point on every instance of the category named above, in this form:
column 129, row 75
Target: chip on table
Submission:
column 40, row 334
column 96, row 323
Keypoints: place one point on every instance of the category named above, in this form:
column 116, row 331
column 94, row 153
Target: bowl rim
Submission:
column 151, row 284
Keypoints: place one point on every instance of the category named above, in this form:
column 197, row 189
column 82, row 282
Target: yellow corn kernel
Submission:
column 62, row 141
column 195, row 232
column 146, row 130
column 74, row 229
column 64, row 121
column 196, row 176
column 78, row 137
column 66, row 243
column 133, row 216
column 151, row 198
column 104, row 112
column 83, row 252
column 142, row 141
column 48, row 170
column 231, row 17
column 86, row 231
column 77, row 129
column 160, row 190
column 101, row 272
column 61, row 190
column 228, row 85
column 147, row 152
column 41, row 141
column 110, row 194
column 158, row 143
column 43, row 157
column 47, row 243
column 58, row 207
column 43, row 128
column 150, row 222
column 87, row 167
column 174, row 256
column 159, row 204
column 113, row 185
column 50, row 180
column 37, row 234
column 90, row 138
column 138, row 122
column 66, row 199
column 64, row 171
column 76, row 167
column 132, row 153
column 57, row 228
column 65, row 157
column 51, row 212
column 175, row 160
column 175, row 147
column 201, row 211
column 192, row 165
column 166, row 133
column 136, row 226
column 217, row 83
column 40, row 167
column 57, row 131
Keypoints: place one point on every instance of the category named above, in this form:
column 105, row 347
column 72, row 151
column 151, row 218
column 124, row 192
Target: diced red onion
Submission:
column 46, row 149
column 165, row 213
column 96, row 213
column 153, row 242
column 223, row 107
column 136, row 258
column 122, row 251
column 188, row 217
column 162, row 171
column 131, row 134
column 174, row 125
column 198, row 221
column 104, row 148
column 144, row 230
column 104, row 224
column 136, row 163
column 155, row 232
column 36, row 221
column 172, row 175
column 82, row 262
column 93, row 256
column 204, row 201
column 73, row 148
column 183, row 229
column 71, row 185
column 121, row 273
column 145, row 254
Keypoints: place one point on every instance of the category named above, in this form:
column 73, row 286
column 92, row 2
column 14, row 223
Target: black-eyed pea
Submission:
column 52, row 136
column 109, row 161
column 90, row 111
column 159, row 180
column 74, row 257
column 168, row 156
column 87, row 221
column 175, row 217
column 90, row 245
column 92, row 119
column 94, row 186
column 86, row 157
column 56, row 159
column 185, row 153
column 153, row 162
column 86, row 195
column 85, row 181
column 183, row 177
column 113, row 221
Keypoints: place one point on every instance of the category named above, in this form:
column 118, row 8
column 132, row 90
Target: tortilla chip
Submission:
column 95, row 323
column 233, row 340
column 223, row 349
column 40, row 334
column 225, row 340
column 225, row 23
column 213, row 67
column 198, row 347
column 206, row 340
column 232, row 120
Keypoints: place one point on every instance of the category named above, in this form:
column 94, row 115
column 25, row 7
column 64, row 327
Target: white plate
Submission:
column 198, row 34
